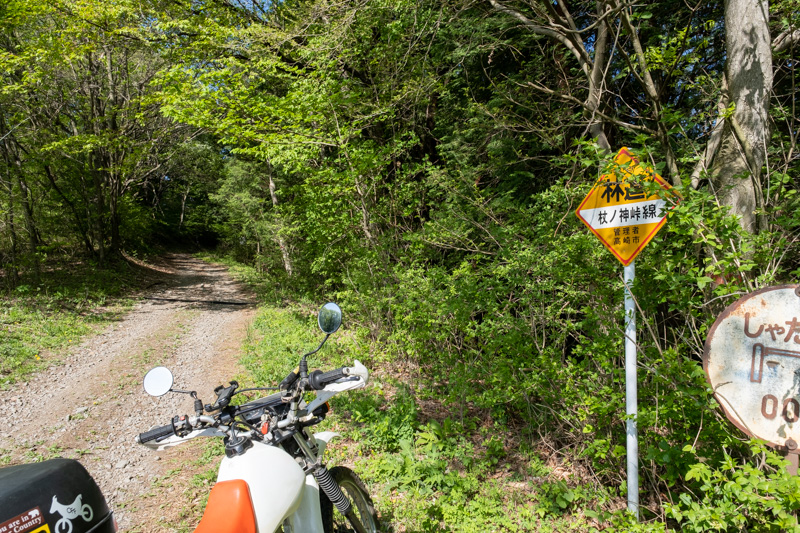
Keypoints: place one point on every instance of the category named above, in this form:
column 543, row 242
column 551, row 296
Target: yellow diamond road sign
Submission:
column 617, row 211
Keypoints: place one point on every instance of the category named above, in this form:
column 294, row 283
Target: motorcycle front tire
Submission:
column 352, row 486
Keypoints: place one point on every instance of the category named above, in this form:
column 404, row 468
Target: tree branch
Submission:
column 704, row 164
column 785, row 40
column 653, row 95
column 582, row 55
column 573, row 100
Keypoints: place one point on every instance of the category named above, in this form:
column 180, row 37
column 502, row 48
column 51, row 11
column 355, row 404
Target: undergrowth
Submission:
column 426, row 475
column 39, row 321
column 437, row 461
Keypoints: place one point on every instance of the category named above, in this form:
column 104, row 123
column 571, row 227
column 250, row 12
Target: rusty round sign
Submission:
column 752, row 361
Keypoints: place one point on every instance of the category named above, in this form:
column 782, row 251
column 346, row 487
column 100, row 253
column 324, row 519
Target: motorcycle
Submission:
column 273, row 477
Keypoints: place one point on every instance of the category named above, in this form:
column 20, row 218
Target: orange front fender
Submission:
column 229, row 509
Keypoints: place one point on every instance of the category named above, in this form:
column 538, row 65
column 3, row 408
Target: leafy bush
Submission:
column 733, row 495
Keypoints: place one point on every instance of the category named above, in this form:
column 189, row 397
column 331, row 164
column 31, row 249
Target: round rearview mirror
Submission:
column 158, row 381
column 330, row 318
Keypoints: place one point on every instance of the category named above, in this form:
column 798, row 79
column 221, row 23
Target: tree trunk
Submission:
column 366, row 223
column 83, row 230
column 114, row 197
column 11, row 269
column 597, row 82
column 736, row 172
column 287, row 261
column 98, row 217
column 183, row 205
column 30, row 225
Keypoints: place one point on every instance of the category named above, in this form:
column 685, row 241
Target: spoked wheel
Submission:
column 332, row 520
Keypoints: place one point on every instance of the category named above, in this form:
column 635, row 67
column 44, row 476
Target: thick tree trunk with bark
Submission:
column 737, row 169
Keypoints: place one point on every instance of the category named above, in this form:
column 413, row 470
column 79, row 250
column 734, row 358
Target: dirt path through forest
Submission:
column 92, row 406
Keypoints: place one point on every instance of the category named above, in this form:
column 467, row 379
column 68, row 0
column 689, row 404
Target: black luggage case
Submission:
column 56, row 496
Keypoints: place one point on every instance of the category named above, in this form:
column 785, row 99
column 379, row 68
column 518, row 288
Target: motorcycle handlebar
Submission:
column 271, row 401
column 289, row 380
column 317, row 380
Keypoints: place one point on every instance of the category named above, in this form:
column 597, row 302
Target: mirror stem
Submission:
column 318, row 347
column 191, row 393
column 303, row 366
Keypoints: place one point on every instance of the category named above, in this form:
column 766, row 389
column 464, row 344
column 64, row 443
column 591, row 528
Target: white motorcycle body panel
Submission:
column 308, row 517
column 275, row 480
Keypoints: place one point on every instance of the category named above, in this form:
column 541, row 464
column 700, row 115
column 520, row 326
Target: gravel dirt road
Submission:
column 92, row 405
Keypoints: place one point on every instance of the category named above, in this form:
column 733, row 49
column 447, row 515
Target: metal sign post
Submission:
column 620, row 214
column 631, row 392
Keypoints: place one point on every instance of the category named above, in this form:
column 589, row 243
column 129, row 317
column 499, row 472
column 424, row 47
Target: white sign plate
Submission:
column 752, row 361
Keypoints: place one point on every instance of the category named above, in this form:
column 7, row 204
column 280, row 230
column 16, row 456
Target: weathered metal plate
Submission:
column 752, row 361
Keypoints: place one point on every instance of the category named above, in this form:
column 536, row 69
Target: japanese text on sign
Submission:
column 752, row 360
column 618, row 202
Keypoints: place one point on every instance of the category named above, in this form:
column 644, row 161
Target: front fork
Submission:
column 323, row 476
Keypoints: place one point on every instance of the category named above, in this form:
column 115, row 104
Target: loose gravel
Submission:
column 92, row 405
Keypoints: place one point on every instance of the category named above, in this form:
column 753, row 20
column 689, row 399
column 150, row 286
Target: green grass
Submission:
column 39, row 322
column 414, row 471
column 425, row 476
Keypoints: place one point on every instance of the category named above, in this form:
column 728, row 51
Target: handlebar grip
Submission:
column 318, row 379
column 147, row 436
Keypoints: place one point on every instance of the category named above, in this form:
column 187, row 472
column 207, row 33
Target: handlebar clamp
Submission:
column 224, row 395
column 181, row 426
